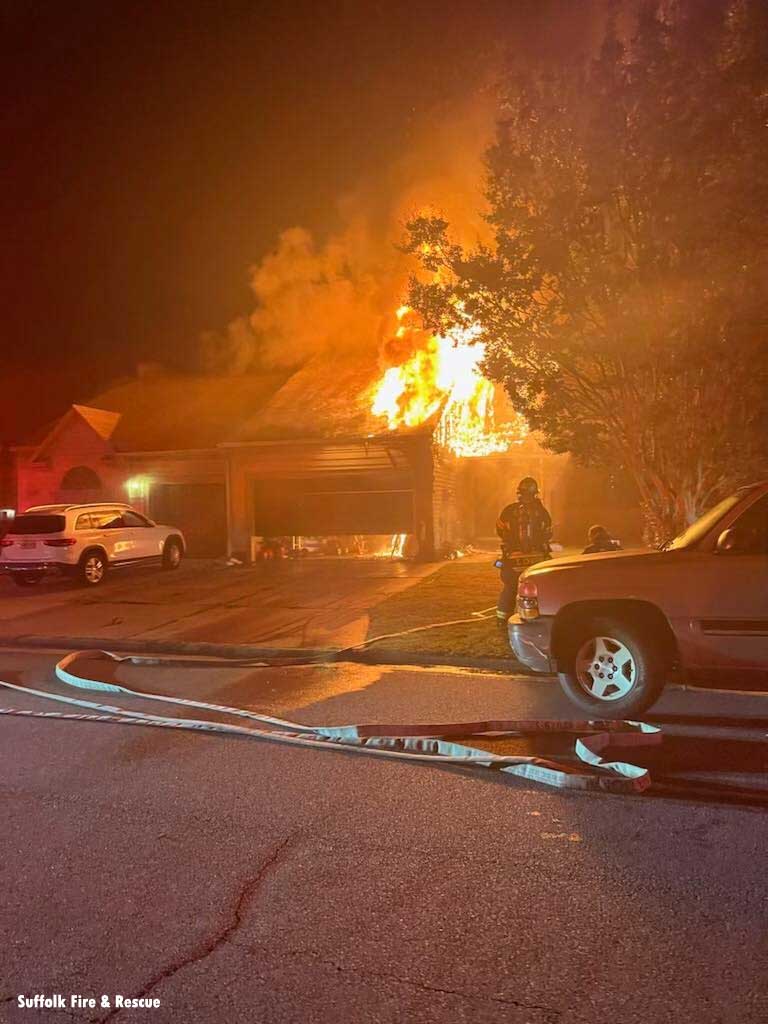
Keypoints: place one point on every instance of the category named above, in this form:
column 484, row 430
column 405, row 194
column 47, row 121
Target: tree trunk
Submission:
column 663, row 507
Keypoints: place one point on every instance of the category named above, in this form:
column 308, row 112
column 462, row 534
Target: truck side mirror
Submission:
column 727, row 542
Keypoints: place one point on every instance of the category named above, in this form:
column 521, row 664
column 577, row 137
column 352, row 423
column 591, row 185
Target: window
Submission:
column 751, row 530
column 108, row 520
column 690, row 537
column 134, row 519
column 84, row 522
column 80, row 478
column 37, row 523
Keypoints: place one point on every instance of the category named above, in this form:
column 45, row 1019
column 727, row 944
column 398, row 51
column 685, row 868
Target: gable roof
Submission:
column 100, row 420
column 177, row 412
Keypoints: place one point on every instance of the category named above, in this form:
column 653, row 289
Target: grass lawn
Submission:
column 453, row 592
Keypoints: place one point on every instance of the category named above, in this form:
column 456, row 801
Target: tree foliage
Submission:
column 623, row 300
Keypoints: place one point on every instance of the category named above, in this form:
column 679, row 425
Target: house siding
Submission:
column 446, row 501
column 448, row 530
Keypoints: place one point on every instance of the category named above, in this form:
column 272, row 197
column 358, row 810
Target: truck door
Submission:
column 732, row 605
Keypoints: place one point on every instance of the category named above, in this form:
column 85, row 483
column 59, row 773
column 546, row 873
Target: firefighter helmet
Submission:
column 527, row 488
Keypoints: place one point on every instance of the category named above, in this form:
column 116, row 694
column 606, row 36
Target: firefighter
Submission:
column 600, row 540
column 525, row 529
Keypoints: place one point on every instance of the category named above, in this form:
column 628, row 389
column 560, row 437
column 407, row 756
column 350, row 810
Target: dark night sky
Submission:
column 152, row 151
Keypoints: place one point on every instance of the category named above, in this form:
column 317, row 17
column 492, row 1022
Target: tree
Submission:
column 623, row 301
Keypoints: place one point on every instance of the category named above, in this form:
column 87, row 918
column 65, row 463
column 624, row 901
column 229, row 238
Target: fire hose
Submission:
column 424, row 743
column 310, row 659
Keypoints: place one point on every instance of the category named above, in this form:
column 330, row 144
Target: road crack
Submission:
column 246, row 894
column 551, row 1015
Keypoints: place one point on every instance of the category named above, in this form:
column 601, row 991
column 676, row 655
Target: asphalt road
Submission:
column 237, row 880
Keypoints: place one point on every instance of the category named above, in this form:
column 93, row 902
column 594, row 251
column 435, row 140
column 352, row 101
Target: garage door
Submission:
column 334, row 506
column 200, row 512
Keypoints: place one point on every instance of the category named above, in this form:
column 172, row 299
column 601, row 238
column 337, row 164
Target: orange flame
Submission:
column 444, row 374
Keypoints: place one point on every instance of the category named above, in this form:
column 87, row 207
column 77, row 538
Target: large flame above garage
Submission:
column 443, row 376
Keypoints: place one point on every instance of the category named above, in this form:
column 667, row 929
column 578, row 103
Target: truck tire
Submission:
column 613, row 669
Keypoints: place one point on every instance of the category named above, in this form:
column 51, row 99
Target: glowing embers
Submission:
column 443, row 374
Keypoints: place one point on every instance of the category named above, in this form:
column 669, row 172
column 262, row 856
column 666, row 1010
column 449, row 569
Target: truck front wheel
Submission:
column 612, row 669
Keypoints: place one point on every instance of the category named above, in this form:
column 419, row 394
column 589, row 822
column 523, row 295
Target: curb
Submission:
column 392, row 657
column 100, row 643
column 240, row 652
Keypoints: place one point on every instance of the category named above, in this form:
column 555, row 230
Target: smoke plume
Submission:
column 314, row 297
column 317, row 296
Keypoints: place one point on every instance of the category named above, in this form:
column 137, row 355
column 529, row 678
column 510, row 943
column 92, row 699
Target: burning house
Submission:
column 346, row 450
column 235, row 460
column 344, row 454
column 315, row 462
column 369, row 434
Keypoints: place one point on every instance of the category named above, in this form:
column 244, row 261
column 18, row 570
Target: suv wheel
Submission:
column 92, row 568
column 27, row 579
column 613, row 669
column 172, row 554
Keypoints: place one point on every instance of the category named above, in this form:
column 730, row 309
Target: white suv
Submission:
column 83, row 541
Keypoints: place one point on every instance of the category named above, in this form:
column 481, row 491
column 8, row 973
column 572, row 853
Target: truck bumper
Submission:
column 530, row 642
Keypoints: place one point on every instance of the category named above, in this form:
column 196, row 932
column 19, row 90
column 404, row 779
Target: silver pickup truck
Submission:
column 616, row 626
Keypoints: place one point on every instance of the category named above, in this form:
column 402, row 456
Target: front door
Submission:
column 143, row 535
column 117, row 543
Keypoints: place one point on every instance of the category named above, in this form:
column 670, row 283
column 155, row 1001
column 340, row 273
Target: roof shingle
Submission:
column 175, row 412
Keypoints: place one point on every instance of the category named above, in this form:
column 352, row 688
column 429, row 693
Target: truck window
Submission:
column 703, row 524
column 752, row 529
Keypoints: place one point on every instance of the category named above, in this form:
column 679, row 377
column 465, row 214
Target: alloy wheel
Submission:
column 605, row 668
column 93, row 569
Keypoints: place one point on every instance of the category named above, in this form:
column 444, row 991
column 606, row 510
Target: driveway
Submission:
column 277, row 604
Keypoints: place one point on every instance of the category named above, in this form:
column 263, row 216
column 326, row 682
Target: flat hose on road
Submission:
column 426, row 743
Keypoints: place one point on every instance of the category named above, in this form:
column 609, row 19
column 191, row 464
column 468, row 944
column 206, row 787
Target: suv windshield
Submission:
column 37, row 523
column 703, row 525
